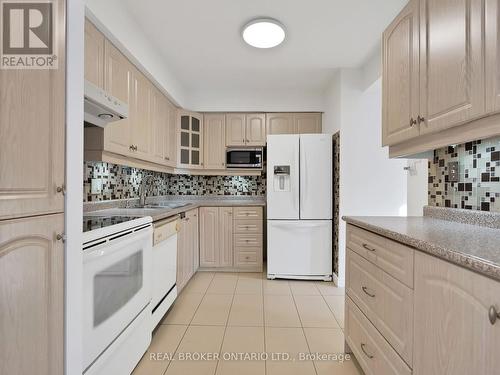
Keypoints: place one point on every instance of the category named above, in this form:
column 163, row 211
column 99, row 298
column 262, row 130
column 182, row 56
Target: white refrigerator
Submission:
column 299, row 206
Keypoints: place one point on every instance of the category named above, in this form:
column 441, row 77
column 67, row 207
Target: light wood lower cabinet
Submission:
column 441, row 327
column 187, row 248
column 453, row 335
column 228, row 241
column 385, row 301
column 31, row 295
column 216, row 237
column 372, row 351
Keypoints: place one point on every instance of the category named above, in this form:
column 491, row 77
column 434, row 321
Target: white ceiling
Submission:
column 201, row 43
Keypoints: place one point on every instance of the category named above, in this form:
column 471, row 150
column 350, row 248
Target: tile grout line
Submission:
column 264, row 318
column 333, row 313
column 188, row 325
column 225, row 327
column 303, row 331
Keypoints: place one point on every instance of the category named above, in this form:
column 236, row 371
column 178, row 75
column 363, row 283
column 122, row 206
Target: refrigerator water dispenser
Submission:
column 282, row 178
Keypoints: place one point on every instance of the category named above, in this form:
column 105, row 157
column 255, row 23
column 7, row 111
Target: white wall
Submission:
column 332, row 105
column 371, row 184
column 417, row 186
column 289, row 100
column 113, row 19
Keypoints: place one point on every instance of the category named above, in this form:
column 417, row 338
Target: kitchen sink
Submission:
column 166, row 205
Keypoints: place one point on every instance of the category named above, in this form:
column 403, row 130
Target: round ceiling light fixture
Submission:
column 264, row 33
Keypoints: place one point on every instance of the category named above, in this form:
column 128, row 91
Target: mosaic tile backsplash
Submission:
column 120, row 182
column 478, row 185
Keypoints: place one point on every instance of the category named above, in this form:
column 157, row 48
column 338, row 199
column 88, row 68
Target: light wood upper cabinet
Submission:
column 307, row 123
column 492, row 56
column 280, row 123
column 235, row 129
column 162, row 127
column 255, row 129
column 171, row 141
column 159, row 126
column 119, row 83
column 32, row 135
column 400, row 108
column 245, row 129
column 190, row 130
column 140, row 117
column 32, row 307
column 209, row 237
column 453, row 335
column 214, row 128
column 94, row 55
column 452, row 82
column 225, row 237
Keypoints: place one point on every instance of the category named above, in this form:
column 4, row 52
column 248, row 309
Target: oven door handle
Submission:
column 110, row 246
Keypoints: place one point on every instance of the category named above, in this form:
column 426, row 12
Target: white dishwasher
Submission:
column 164, row 267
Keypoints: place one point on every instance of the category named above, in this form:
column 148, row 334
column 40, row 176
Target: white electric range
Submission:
column 117, row 263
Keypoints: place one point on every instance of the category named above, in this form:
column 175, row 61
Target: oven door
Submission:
column 117, row 287
column 244, row 158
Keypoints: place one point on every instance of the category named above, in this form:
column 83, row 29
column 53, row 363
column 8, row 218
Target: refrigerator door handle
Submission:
column 303, row 181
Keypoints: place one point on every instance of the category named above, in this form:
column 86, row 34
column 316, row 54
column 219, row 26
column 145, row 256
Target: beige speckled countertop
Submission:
column 190, row 202
column 471, row 246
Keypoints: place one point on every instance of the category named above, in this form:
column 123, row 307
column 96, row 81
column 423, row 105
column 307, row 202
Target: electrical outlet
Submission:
column 95, row 186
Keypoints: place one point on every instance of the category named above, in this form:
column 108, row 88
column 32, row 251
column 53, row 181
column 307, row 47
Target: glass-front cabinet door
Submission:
column 190, row 141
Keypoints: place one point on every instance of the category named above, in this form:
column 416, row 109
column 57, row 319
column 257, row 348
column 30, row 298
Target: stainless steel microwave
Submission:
column 244, row 157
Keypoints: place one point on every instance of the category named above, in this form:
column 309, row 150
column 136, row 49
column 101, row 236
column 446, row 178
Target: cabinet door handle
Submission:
column 493, row 314
column 420, row 119
column 131, row 148
column 370, row 356
column 61, row 237
column 368, row 247
column 413, row 122
column 61, row 189
column 365, row 289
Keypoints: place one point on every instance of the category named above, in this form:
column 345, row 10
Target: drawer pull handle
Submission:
column 364, row 351
column 493, row 314
column 365, row 289
column 368, row 247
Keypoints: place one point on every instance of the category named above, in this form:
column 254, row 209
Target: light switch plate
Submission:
column 95, row 186
column 453, row 171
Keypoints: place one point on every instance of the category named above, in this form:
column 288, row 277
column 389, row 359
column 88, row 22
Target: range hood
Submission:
column 101, row 108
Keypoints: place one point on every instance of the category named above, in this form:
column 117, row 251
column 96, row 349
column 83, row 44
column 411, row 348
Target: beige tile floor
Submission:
column 245, row 314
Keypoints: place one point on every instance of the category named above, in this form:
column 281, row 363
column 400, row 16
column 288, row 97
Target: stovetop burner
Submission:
column 97, row 222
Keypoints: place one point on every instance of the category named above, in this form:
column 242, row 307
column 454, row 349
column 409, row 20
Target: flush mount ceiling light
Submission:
column 263, row 33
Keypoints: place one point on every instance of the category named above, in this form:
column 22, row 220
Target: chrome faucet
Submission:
column 142, row 189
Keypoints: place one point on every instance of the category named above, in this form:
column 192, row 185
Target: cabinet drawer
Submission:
column 372, row 351
column 254, row 213
column 394, row 258
column 245, row 226
column 248, row 256
column 386, row 302
column 248, row 240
